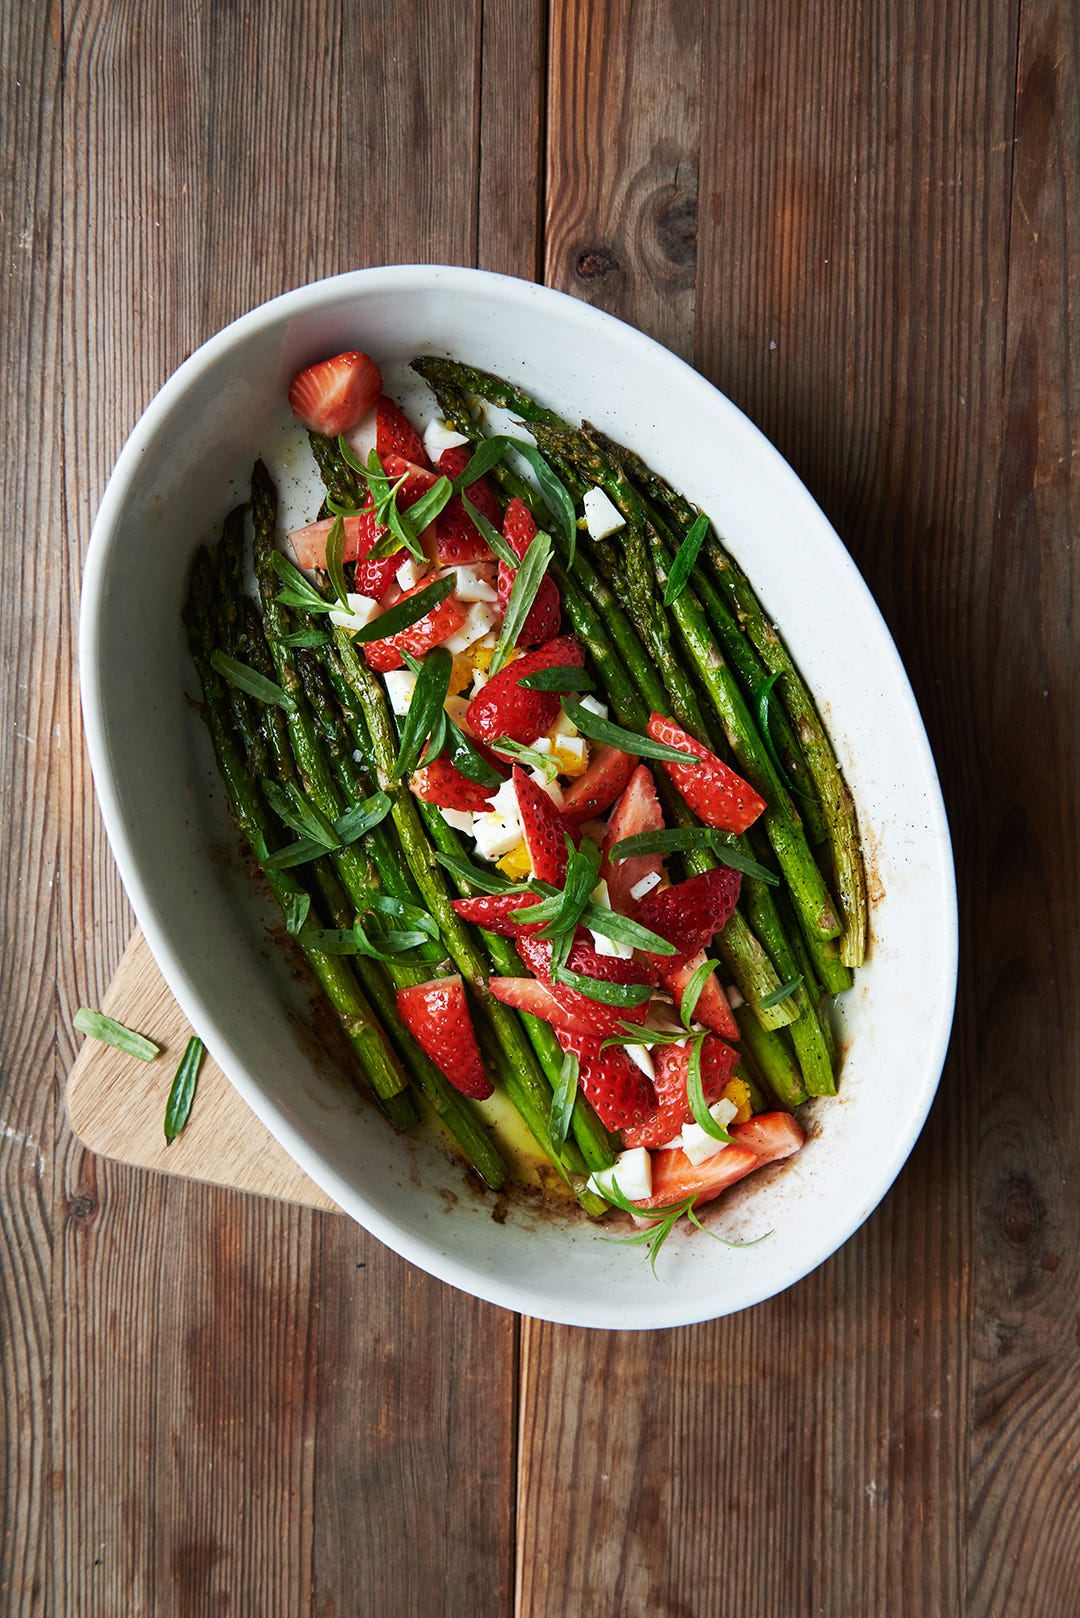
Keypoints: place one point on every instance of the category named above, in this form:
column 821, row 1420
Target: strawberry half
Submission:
column 637, row 811
column 607, row 776
column 505, row 708
column 545, row 614
column 542, row 825
column 581, row 1009
column 712, row 1009
column 437, row 1016
column 674, row 1177
column 457, row 537
column 617, row 1090
column 689, row 914
column 672, row 1065
column 418, row 478
column 716, row 794
column 436, row 626
column 452, row 462
column 335, row 394
column 396, row 435
column 443, row 784
column 493, row 911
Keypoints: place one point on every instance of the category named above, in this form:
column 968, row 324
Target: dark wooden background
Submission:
column 860, row 220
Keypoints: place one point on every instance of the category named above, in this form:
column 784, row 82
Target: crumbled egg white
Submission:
column 479, row 621
column 648, row 882
column 499, row 829
column 361, row 439
column 734, row 998
column 639, row 1055
column 602, row 945
column 700, row 1146
column 598, row 708
column 631, row 1174
column 440, row 436
column 457, row 708
column 602, row 516
column 460, row 819
column 473, row 583
column 400, row 685
column 361, row 611
column 409, row 573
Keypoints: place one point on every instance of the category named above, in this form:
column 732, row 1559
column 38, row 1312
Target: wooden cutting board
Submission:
column 116, row 1103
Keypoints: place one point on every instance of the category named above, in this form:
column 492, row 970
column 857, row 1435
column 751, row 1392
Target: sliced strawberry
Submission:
column 443, row 784
column 361, row 532
column 673, row 1110
column 690, row 913
column 505, row 708
column 396, row 435
column 457, row 538
column 637, row 811
column 674, row 1177
column 607, row 776
column 529, row 994
column 712, row 1009
column 436, row 626
column 437, row 1016
column 545, row 614
column 418, row 479
column 542, row 824
column 581, row 1009
column 617, row 1089
column 333, row 395
column 452, row 462
column 493, row 911
column 716, row 794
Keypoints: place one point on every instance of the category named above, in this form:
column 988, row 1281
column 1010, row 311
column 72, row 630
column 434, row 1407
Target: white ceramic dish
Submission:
column 163, row 812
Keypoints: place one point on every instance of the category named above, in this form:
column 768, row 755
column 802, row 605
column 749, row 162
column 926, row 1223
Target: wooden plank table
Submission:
column 861, row 223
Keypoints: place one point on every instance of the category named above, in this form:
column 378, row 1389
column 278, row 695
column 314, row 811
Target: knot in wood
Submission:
column 676, row 229
column 82, row 1207
column 595, row 262
column 1021, row 1214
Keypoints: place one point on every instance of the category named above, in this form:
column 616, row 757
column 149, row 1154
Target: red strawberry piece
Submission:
column 529, row 994
column 674, row 1177
column 637, row 811
column 607, row 776
column 457, row 538
column 672, row 1065
column 716, row 794
column 443, row 784
column 493, row 911
column 689, row 914
column 452, row 462
column 545, row 614
column 505, row 708
column 542, row 824
column 361, row 531
column 396, row 435
column 617, row 1090
column 418, row 479
column 581, row 1010
column 335, row 394
column 437, row 1016
column 436, row 626
column 712, row 1009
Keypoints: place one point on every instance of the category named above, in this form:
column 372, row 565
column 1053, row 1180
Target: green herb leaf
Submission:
column 346, row 453
column 692, row 993
column 560, row 677
column 562, row 1105
column 297, row 906
column 464, row 757
column 642, row 1034
column 621, row 930
column 683, row 839
column 538, row 910
column 182, row 1093
column 483, row 881
column 490, row 534
column 686, row 557
column 695, row 1094
column 776, row 996
column 387, row 904
column 608, row 994
column 560, row 954
column 406, row 613
column 727, row 854
column 487, row 454
column 426, row 703
column 250, row 680
column 554, row 492
column 341, row 508
column 762, row 702
column 355, row 822
column 602, row 730
column 96, row 1025
column 299, row 591
column 422, row 512
column 436, row 741
column 307, row 637
column 290, row 806
column 544, row 762
column 335, row 564
column 527, row 581
column 582, row 873
column 292, row 854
